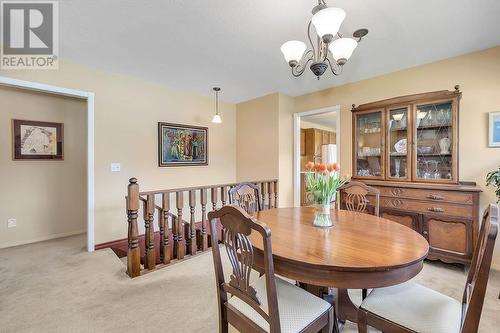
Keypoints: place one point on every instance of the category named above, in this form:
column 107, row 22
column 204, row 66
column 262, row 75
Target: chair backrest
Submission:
column 477, row 279
column 354, row 197
column 237, row 226
column 246, row 196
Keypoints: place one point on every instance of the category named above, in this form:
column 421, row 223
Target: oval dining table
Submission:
column 360, row 251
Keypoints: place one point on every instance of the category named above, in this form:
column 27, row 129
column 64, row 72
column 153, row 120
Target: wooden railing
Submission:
column 177, row 237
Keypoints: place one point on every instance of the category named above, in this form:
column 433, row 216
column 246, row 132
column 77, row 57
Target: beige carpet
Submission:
column 56, row 286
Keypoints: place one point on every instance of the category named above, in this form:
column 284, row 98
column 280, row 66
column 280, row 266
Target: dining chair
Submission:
column 410, row 307
column 269, row 304
column 247, row 196
column 354, row 197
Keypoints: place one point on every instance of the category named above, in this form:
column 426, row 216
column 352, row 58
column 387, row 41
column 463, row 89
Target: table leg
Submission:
column 347, row 310
column 343, row 307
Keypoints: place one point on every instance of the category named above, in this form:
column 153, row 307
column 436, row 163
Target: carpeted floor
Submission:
column 56, row 286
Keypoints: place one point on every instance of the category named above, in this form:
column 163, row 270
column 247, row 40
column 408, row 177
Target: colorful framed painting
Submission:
column 37, row 140
column 494, row 132
column 182, row 145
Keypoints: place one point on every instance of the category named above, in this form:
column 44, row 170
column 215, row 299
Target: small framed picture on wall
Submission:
column 37, row 140
column 494, row 131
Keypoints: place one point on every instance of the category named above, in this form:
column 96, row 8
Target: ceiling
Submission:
column 197, row 44
column 328, row 119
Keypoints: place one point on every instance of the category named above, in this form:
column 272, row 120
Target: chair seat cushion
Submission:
column 297, row 308
column 416, row 307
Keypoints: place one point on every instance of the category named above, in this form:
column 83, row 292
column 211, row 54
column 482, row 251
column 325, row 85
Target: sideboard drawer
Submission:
column 426, row 194
column 423, row 207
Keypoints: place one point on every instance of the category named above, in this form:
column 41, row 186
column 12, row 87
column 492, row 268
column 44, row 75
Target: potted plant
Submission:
column 323, row 181
column 493, row 180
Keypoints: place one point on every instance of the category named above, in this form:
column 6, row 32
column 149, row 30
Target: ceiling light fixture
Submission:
column 326, row 21
column 216, row 119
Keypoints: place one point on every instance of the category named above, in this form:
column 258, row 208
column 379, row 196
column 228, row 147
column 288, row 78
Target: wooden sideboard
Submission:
column 446, row 215
column 407, row 147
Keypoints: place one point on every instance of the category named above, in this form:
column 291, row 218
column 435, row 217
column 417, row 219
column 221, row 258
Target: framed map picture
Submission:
column 181, row 145
column 37, row 140
column 494, row 132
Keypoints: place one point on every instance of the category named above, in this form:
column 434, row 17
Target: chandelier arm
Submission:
column 309, row 37
column 298, row 72
column 337, row 70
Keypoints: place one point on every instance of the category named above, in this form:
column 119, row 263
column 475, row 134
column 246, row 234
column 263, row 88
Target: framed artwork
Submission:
column 494, row 132
column 37, row 140
column 182, row 145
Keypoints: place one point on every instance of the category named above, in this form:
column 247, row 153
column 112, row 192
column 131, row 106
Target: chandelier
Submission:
column 326, row 21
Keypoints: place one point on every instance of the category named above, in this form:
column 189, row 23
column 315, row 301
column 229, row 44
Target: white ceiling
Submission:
column 197, row 44
column 328, row 119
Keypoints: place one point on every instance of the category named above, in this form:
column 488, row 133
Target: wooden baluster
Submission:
column 191, row 242
column 223, row 195
column 165, row 251
column 271, row 195
column 133, row 252
column 276, row 194
column 149, row 233
column 213, row 197
column 204, row 238
column 180, row 249
column 264, row 194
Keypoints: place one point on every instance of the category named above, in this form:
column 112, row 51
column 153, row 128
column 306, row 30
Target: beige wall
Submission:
column 257, row 153
column 45, row 197
column 126, row 114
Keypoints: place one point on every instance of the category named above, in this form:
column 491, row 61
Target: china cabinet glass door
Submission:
column 369, row 135
column 434, row 142
column 399, row 143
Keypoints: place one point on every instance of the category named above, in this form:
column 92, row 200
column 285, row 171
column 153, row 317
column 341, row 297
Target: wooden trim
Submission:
column 407, row 99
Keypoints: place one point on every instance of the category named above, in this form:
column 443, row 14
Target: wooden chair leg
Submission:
column 329, row 327
column 224, row 326
column 362, row 324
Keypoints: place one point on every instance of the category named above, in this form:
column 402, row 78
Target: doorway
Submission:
column 316, row 139
column 88, row 98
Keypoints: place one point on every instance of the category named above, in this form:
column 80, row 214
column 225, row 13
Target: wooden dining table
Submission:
column 360, row 251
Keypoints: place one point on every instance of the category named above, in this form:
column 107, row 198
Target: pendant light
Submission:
column 216, row 119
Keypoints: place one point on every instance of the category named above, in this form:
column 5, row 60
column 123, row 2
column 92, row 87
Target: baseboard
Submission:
column 45, row 238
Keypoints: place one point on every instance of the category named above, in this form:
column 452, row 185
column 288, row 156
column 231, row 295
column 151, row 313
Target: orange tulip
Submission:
column 336, row 166
column 330, row 167
column 309, row 166
column 320, row 167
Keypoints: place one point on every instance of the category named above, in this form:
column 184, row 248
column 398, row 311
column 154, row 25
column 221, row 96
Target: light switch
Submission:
column 11, row 223
column 115, row 167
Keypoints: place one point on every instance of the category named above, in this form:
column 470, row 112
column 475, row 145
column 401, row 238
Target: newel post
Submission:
column 133, row 252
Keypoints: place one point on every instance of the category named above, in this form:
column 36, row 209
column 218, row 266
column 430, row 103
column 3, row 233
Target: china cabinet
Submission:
column 407, row 147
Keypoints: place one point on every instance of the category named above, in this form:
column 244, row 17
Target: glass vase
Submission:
column 322, row 216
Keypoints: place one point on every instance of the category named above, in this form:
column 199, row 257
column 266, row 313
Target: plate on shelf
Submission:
column 400, row 146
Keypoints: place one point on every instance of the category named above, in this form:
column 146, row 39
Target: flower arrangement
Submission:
column 323, row 181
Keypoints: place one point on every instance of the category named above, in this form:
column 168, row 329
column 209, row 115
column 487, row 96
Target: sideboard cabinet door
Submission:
column 449, row 237
column 409, row 219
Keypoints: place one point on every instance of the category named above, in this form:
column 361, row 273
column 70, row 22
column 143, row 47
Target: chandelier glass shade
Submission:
column 329, row 49
column 327, row 21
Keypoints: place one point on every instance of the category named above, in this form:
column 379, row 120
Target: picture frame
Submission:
column 182, row 145
column 494, row 130
column 37, row 140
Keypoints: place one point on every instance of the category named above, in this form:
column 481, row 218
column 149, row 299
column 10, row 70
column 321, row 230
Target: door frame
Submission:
column 89, row 98
column 296, row 144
